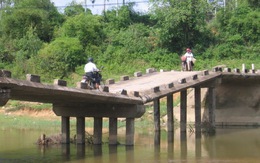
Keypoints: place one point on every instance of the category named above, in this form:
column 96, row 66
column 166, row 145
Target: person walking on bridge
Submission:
column 189, row 59
column 91, row 71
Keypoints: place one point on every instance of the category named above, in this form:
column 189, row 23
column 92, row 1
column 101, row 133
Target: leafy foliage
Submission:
column 74, row 9
column 181, row 23
column 59, row 58
column 39, row 15
column 238, row 31
column 36, row 38
column 86, row 27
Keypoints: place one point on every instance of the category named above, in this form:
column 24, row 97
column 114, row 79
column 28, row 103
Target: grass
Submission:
column 14, row 105
column 8, row 118
column 25, row 122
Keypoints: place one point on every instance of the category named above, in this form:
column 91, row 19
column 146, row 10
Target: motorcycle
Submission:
column 91, row 81
column 187, row 65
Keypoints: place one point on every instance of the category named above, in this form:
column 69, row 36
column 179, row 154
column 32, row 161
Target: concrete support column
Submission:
column 197, row 94
column 65, row 130
column 170, row 113
column 98, row 121
column 130, row 131
column 112, row 131
column 212, row 106
column 80, row 130
column 183, row 123
column 156, row 113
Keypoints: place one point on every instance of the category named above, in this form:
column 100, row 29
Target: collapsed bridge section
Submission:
column 75, row 102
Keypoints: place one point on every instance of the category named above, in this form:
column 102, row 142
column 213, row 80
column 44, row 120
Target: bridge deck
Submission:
column 157, row 84
column 39, row 92
column 150, row 80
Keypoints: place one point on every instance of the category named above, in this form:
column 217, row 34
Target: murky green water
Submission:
column 228, row 145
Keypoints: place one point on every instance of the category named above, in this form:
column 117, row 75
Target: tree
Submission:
column 120, row 18
column 181, row 24
column 59, row 58
column 74, row 9
column 86, row 27
column 254, row 4
column 39, row 15
column 237, row 32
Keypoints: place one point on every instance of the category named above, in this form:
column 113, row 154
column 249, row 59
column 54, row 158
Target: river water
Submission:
column 227, row 145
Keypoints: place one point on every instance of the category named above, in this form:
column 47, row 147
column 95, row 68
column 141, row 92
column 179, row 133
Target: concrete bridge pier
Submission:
column 113, row 112
column 65, row 130
column 183, row 110
column 113, row 124
column 197, row 100
column 80, row 139
column 156, row 112
column 98, row 123
column 130, row 128
column 212, row 106
column 170, row 120
column 112, row 131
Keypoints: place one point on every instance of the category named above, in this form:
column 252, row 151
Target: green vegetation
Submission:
column 14, row 105
column 36, row 39
column 26, row 122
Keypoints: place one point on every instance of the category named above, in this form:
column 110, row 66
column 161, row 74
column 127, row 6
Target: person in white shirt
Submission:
column 91, row 71
column 189, row 59
column 90, row 66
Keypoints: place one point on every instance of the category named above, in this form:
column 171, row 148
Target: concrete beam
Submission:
column 99, row 110
column 4, row 96
column 211, row 83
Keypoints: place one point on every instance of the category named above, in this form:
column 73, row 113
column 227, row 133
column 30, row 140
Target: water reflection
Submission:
column 184, row 148
column 198, row 145
column 170, row 149
column 232, row 145
column 113, row 153
column 65, row 148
